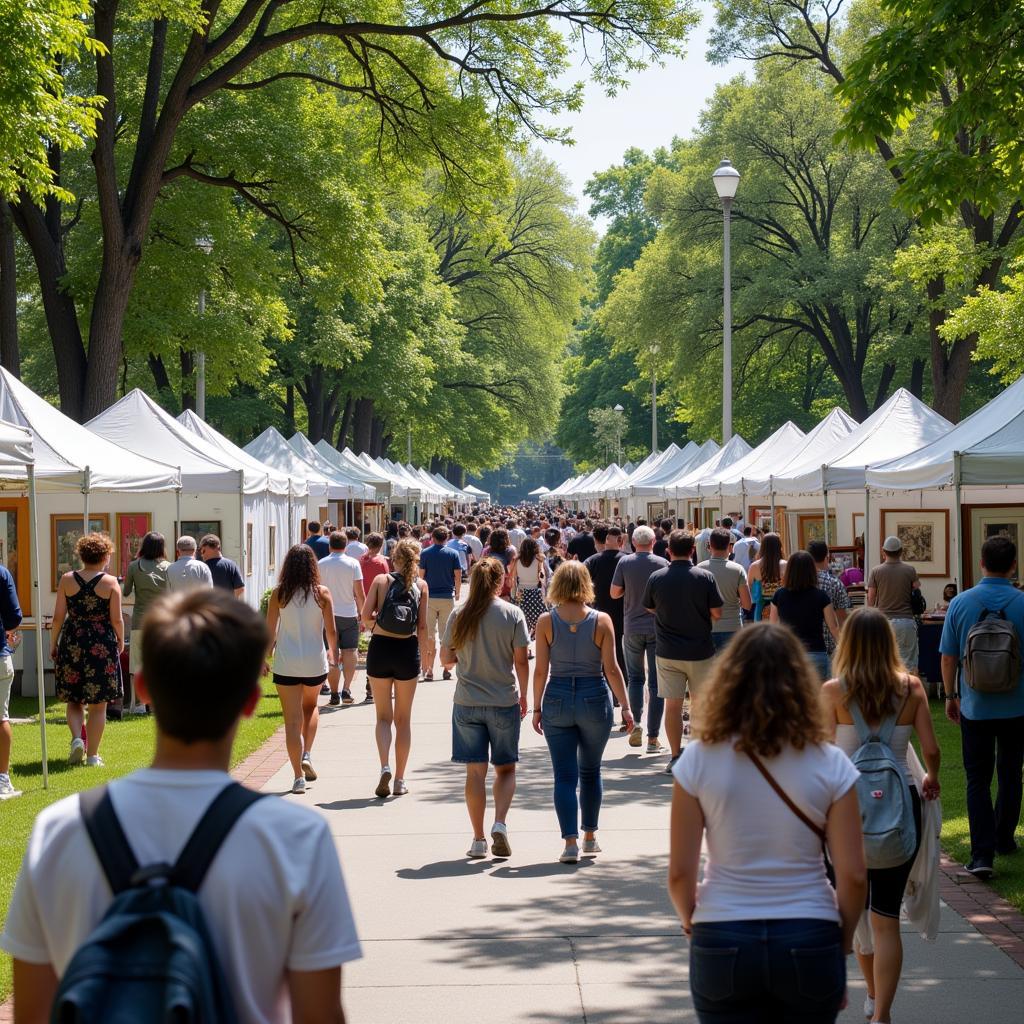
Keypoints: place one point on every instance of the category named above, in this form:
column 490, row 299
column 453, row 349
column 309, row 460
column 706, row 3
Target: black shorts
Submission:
column 392, row 657
column 299, row 680
column 886, row 886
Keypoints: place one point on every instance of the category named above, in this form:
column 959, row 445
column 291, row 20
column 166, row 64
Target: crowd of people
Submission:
column 788, row 715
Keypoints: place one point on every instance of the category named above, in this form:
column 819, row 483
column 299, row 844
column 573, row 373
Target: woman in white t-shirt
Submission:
column 768, row 933
column 529, row 580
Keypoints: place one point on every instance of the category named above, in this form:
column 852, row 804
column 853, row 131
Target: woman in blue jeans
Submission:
column 768, row 933
column 573, row 708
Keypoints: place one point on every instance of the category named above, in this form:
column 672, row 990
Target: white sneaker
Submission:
column 308, row 771
column 94, row 761
column 7, row 790
column 477, row 849
column 77, row 755
column 869, row 1007
column 570, row 855
column 500, row 846
column 590, row 846
column 299, row 785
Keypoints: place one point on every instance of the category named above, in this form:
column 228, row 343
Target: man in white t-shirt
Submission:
column 274, row 898
column 356, row 548
column 343, row 577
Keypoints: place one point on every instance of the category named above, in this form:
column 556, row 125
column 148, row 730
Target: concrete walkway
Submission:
column 448, row 940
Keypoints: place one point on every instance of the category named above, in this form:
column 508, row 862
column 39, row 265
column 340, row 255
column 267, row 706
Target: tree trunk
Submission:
column 10, row 353
column 188, row 384
column 346, row 423
column 884, row 383
column 376, row 436
column 385, row 445
column 916, row 386
column 363, row 425
column 289, row 410
column 951, row 363
column 436, row 462
column 106, row 324
column 160, row 377
column 313, row 397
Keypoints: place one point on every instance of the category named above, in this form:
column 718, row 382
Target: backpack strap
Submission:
column 864, row 731
column 108, row 839
column 888, row 725
column 213, row 828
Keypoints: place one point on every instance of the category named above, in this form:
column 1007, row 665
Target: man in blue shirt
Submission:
column 441, row 568
column 10, row 618
column 991, row 724
column 317, row 541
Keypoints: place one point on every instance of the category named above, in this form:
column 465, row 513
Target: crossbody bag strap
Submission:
column 784, row 796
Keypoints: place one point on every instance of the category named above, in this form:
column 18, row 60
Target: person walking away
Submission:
column 805, row 609
column 473, row 541
column 441, row 567
column 601, row 567
column 745, row 550
column 685, row 603
column 890, row 589
column 988, row 706
column 88, row 638
column 765, row 576
column 187, row 572
column 300, row 612
column 732, row 585
column 661, row 542
column 638, row 640
column 343, row 576
column 873, row 696
column 395, row 613
column 355, row 547
column 10, row 620
column 703, row 543
column 768, row 934
column 486, row 641
column 316, row 540
column 827, row 581
column 373, row 564
column 274, row 899
column 572, row 707
column 461, row 548
column 516, row 535
column 582, row 544
column 225, row 573
column 146, row 579
column 529, row 580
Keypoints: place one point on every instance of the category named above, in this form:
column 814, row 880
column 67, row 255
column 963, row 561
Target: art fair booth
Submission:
column 344, row 489
column 645, row 488
column 683, row 491
column 387, row 492
column 243, row 502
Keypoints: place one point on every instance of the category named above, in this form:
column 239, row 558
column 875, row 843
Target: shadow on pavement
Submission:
column 446, row 869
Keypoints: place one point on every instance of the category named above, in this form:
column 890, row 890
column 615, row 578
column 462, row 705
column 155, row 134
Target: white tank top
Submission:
column 529, row 575
column 300, row 639
column 848, row 742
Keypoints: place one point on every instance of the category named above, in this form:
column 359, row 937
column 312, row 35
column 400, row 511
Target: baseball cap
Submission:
column 892, row 545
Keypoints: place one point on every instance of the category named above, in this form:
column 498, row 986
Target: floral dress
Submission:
column 88, row 669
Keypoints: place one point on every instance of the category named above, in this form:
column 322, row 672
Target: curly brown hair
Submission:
column 300, row 574
column 763, row 694
column 94, row 548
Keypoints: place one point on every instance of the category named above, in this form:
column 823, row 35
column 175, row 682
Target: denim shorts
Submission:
column 475, row 729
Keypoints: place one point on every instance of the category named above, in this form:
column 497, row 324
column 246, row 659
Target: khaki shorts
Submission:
column 438, row 610
column 135, row 651
column 676, row 677
column 6, row 682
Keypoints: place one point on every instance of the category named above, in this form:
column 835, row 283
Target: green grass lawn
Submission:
column 1009, row 880
column 127, row 745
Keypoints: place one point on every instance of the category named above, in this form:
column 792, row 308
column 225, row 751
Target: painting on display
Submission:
column 761, row 517
column 841, row 559
column 248, row 549
column 984, row 521
column 811, row 526
column 198, row 528
column 858, row 527
column 924, row 534
column 131, row 527
column 656, row 511
column 65, row 531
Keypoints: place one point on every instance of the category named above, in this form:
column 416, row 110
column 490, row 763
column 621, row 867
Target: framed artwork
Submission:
column 924, row 534
column 984, row 521
column 761, row 517
column 656, row 511
column 842, row 558
column 197, row 528
column 811, row 526
column 129, row 529
column 248, row 549
column 14, row 539
column 272, row 539
column 302, row 528
column 858, row 526
column 64, row 533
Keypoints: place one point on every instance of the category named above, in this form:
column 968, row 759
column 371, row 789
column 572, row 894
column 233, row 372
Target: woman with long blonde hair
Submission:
column 395, row 613
column 487, row 640
column 768, row 934
column 871, row 694
column 573, row 708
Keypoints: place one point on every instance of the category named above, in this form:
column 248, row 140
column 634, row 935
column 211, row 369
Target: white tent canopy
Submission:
column 671, row 469
column 902, row 424
column 353, row 469
column 609, row 478
column 647, row 467
column 686, row 484
column 988, row 445
column 538, row 491
column 477, row 493
column 342, row 485
column 565, row 487
column 66, row 453
column 729, row 479
column 272, row 449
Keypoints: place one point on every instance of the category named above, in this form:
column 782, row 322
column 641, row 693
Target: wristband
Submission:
column 950, row 696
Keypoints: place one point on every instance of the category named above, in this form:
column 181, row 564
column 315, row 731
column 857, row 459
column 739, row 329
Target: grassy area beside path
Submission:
column 127, row 745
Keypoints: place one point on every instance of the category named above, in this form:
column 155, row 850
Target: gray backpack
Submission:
column 992, row 655
column 886, row 807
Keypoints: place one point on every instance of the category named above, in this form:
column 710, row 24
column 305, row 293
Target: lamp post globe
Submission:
column 726, row 180
column 618, row 434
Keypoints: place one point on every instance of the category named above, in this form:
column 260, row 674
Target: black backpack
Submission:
column 151, row 958
column 400, row 612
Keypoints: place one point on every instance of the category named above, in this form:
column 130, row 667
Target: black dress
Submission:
column 87, row 669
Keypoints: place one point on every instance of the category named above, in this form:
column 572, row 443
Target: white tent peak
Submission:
column 272, row 449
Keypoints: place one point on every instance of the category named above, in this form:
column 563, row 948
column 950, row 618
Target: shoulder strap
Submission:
column 770, row 779
column 108, row 839
column 213, row 828
column 888, row 726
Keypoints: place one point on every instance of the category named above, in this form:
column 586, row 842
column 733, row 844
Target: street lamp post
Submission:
column 618, row 434
column 206, row 246
column 726, row 179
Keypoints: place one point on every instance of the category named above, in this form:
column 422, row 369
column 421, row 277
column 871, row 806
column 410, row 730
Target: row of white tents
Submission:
column 905, row 468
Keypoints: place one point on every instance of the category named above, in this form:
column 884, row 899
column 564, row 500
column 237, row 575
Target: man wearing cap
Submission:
column 889, row 588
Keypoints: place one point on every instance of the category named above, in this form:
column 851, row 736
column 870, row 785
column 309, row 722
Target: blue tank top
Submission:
column 573, row 651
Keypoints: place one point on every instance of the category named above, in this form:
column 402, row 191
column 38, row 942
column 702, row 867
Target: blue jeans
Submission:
column 719, row 640
column 822, row 662
column 634, row 647
column 576, row 714
column 478, row 730
column 767, row 972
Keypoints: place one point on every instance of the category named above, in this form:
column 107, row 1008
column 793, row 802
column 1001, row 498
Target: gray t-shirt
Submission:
column 632, row 573
column 188, row 573
column 729, row 576
column 485, row 675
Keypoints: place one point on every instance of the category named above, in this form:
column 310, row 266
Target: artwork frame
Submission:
column 761, row 517
column 248, row 549
column 20, row 568
column 842, row 557
column 129, row 529
column 981, row 521
column 65, row 529
column 272, row 547
column 197, row 528
column 859, row 526
column 811, row 526
column 925, row 536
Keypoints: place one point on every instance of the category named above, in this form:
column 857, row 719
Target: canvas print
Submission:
column 924, row 534
column 64, row 533
column 918, row 540
column 198, row 527
column 131, row 528
column 812, row 527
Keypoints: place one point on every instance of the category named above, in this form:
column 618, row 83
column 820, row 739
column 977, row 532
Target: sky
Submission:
column 660, row 103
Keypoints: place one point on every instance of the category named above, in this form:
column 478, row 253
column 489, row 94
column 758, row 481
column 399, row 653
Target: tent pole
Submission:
column 824, row 502
column 177, row 507
column 771, row 502
column 86, row 482
column 291, row 519
column 958, row 513
column 37, row 608
column 867, row 530
column 241, row 523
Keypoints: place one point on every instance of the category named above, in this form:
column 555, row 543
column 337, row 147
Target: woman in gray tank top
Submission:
column 573, row 708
